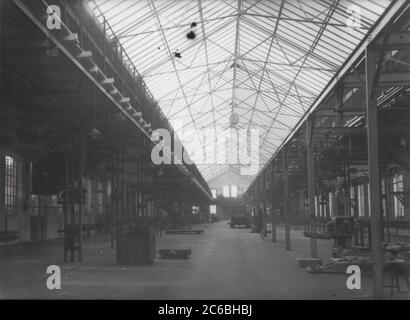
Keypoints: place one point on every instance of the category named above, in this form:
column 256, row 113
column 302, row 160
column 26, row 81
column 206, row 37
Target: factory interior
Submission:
column 205, row 149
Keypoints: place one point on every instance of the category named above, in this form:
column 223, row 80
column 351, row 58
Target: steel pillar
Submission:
column 265, row 215
column 66, row 196
column 80, row 197
column 272, row 201
column 286, row 211
column 374, row 173
column 387, row 193
column 311, row 185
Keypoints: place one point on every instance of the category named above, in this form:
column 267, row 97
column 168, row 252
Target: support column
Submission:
column 112, row 204
column 66, row 194
column 374, row 173
column 311, row 185
column 366, row 199
column 272, row 201
column 254, row 208
column 286, row 211
column 258, row 217
column 387, row 193
column 265, row 215
column 81, row 198
column 123, row 192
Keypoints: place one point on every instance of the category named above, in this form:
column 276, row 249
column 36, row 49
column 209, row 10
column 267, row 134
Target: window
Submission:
column 10, row 186
column 213, row 191
column 212, row 209
column 33, row 199
column 331, row 204
column 398, row 192
column 361, row 199
column 33, row 206
column 225, row 191
column 234, row 191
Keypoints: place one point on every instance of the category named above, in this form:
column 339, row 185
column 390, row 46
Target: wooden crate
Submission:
column 136, row 246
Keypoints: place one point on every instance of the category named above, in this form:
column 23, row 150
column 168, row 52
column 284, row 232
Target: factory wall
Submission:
column 39, row 217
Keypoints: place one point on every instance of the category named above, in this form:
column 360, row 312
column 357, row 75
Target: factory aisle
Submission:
column 225, row 264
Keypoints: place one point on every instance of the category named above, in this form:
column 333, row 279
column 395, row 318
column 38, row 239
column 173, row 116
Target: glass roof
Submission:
column 264, row 61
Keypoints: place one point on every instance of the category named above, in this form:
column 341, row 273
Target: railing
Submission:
column 112, row 56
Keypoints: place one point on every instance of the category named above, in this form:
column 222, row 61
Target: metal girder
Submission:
column 374, row 174
column 159, row 64
column 339, row 131
column 171, row 58
column 83, row 55
column 342, row 112
column 286, row 204
column 387, row 79
column 312, row 47
column 395, row 8
column 266, row 60
column 311, row 183
column 235, row 61
column 308, row 21
column 284, row 80
column 395, row 41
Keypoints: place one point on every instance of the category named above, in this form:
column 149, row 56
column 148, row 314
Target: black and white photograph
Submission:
column 215, row 151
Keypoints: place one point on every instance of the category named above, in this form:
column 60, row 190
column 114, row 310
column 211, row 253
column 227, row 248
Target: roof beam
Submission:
column 343, row 25
column 312, row 47
column 266, row 61
column 238, row 25
column 171, row 58
column 207, row 60
column 354, row 59
column 387, row 79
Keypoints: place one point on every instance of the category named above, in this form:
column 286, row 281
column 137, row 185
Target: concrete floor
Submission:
column 225, row 264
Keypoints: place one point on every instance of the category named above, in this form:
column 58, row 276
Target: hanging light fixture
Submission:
column 233, row 119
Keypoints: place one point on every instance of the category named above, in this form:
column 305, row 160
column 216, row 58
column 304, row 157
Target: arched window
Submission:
column 234, row 191
column 10, row 195
column 225, row 191
column 213, row 193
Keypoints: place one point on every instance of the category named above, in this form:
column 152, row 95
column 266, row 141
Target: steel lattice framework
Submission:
column 266, row 61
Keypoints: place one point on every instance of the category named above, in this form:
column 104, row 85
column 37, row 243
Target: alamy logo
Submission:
column 53, row 17
column 354, row 281
column 54, row 280
column 229, row 146
column 354, row 19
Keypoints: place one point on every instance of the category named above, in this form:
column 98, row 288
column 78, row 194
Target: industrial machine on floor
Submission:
column 342, row 230
column 174, row 253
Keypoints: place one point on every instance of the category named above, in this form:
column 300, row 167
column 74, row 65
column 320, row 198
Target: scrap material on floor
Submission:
column 184, row 231
column 174, row 253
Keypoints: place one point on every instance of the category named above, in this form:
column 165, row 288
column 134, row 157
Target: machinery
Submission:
column 341, row 229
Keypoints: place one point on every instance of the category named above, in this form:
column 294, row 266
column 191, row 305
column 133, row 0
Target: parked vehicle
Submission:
column 240, row 217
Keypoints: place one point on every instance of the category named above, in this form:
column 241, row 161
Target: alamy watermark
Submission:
column 354, row 19
column 354, row 281
column 212, row 147
column 54, row 280
column 53, row 17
